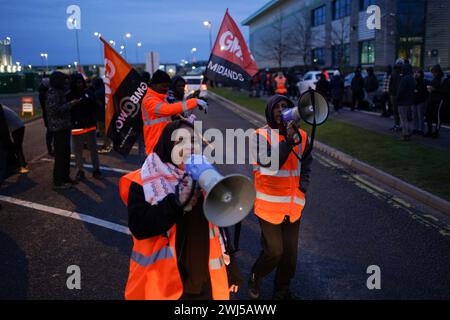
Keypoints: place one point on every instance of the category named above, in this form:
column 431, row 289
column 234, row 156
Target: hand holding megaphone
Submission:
column 229, row 199
column 312, row 108
column 202, row 105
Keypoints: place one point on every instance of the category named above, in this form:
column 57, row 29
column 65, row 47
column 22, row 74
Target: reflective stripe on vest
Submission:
column 216, row 264
column 184, row 104
column 158, row 106
column 144, row 261
column 148, row 122
column 277, row 173
column 280, row 199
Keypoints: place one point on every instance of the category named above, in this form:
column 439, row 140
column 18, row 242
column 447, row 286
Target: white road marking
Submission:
column 90, row 166
column 68, row 214
column 425, row 219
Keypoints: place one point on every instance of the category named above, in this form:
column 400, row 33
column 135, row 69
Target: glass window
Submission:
column 341, row 8
column 367, row 49
column 318, row 16
column 341, row 54
column 318, row 56
column 363, row 4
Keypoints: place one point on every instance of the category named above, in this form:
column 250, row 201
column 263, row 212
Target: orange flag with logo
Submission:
column 124, row 91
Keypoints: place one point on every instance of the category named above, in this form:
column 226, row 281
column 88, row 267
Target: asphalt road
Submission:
column 349, row 223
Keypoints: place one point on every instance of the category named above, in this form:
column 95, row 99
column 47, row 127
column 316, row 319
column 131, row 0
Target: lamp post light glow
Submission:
column 138, row 45
column 98, row 35
column 208, row 25
column 126, row 37
column 192, row 54
column 44, row 56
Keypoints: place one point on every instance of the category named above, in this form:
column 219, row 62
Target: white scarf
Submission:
column 158, row 178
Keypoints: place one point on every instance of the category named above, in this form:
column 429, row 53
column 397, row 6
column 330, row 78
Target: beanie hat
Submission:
column 160, row 77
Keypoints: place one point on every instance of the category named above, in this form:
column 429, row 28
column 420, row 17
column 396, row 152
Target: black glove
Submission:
column 234, row 273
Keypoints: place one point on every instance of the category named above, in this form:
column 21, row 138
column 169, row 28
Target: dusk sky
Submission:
column 171, row 27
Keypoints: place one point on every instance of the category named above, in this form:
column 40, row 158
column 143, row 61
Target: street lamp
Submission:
column 192, row 54
column 98, row 35
column 126, row 37
column 45, row 56
column 138, row 45
column 208, row 25
column 74, row 22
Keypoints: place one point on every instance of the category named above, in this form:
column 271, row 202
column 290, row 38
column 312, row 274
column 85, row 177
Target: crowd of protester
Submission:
column 416, row 105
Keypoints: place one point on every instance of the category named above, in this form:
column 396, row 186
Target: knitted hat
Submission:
column 160, row 77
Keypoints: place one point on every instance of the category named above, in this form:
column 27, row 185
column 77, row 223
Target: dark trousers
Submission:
column 17, row 137
column 61, row 170
column 395, row 110
column 337, row 104
column 434, row 114
column 49, row 140
column 386, row 104
column 279, row 250
column 357, row 98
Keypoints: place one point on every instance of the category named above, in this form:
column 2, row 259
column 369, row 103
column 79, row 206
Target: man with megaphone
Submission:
column 280, row 195
column 177, row 253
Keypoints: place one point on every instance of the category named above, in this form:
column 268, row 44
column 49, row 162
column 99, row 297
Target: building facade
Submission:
column 341, row 33
column 5, row 52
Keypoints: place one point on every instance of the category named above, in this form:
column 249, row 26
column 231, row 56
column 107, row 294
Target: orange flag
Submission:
column 124, row 91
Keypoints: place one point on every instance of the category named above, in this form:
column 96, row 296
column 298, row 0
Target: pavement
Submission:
column 350, row 222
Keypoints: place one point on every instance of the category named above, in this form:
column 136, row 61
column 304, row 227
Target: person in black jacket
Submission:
column 146, row 220
column 439, row 91
column 43, row 89
column 84, row 125
column 420, row 103
column 371, row 86
column 405, row 99
column 393, row 88
column 337, row 90
column 323, row 86
column 357, row 86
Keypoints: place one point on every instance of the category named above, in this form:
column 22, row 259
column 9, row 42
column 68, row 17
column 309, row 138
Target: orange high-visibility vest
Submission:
column 281, row 85
column 156, row 114
column 277, row 191
column 154, row 273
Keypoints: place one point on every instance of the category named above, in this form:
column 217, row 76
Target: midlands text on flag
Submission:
column 231, row 63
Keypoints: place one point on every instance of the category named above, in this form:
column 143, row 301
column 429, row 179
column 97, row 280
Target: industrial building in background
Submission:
column 334, row 33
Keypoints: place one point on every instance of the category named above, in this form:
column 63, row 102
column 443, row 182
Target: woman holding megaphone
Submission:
column 177, row 253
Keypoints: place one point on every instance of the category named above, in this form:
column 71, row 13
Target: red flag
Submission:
column 231, row 62
column 124, row 91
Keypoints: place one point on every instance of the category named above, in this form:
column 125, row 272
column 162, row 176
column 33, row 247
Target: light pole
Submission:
column 75, row 22
column 127, row 36
column 98, row 35
column 192, row 54
column 138, row 45
column 45, row 56
column 208, row 25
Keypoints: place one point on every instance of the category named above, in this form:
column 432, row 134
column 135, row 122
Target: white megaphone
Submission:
column 229, row 199
column 310, row 104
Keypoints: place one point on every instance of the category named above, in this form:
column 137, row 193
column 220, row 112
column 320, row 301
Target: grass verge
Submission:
column 426, row 167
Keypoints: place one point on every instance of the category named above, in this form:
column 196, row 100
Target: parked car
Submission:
column 348, row 90
column 310, row 79
column 194, row 83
